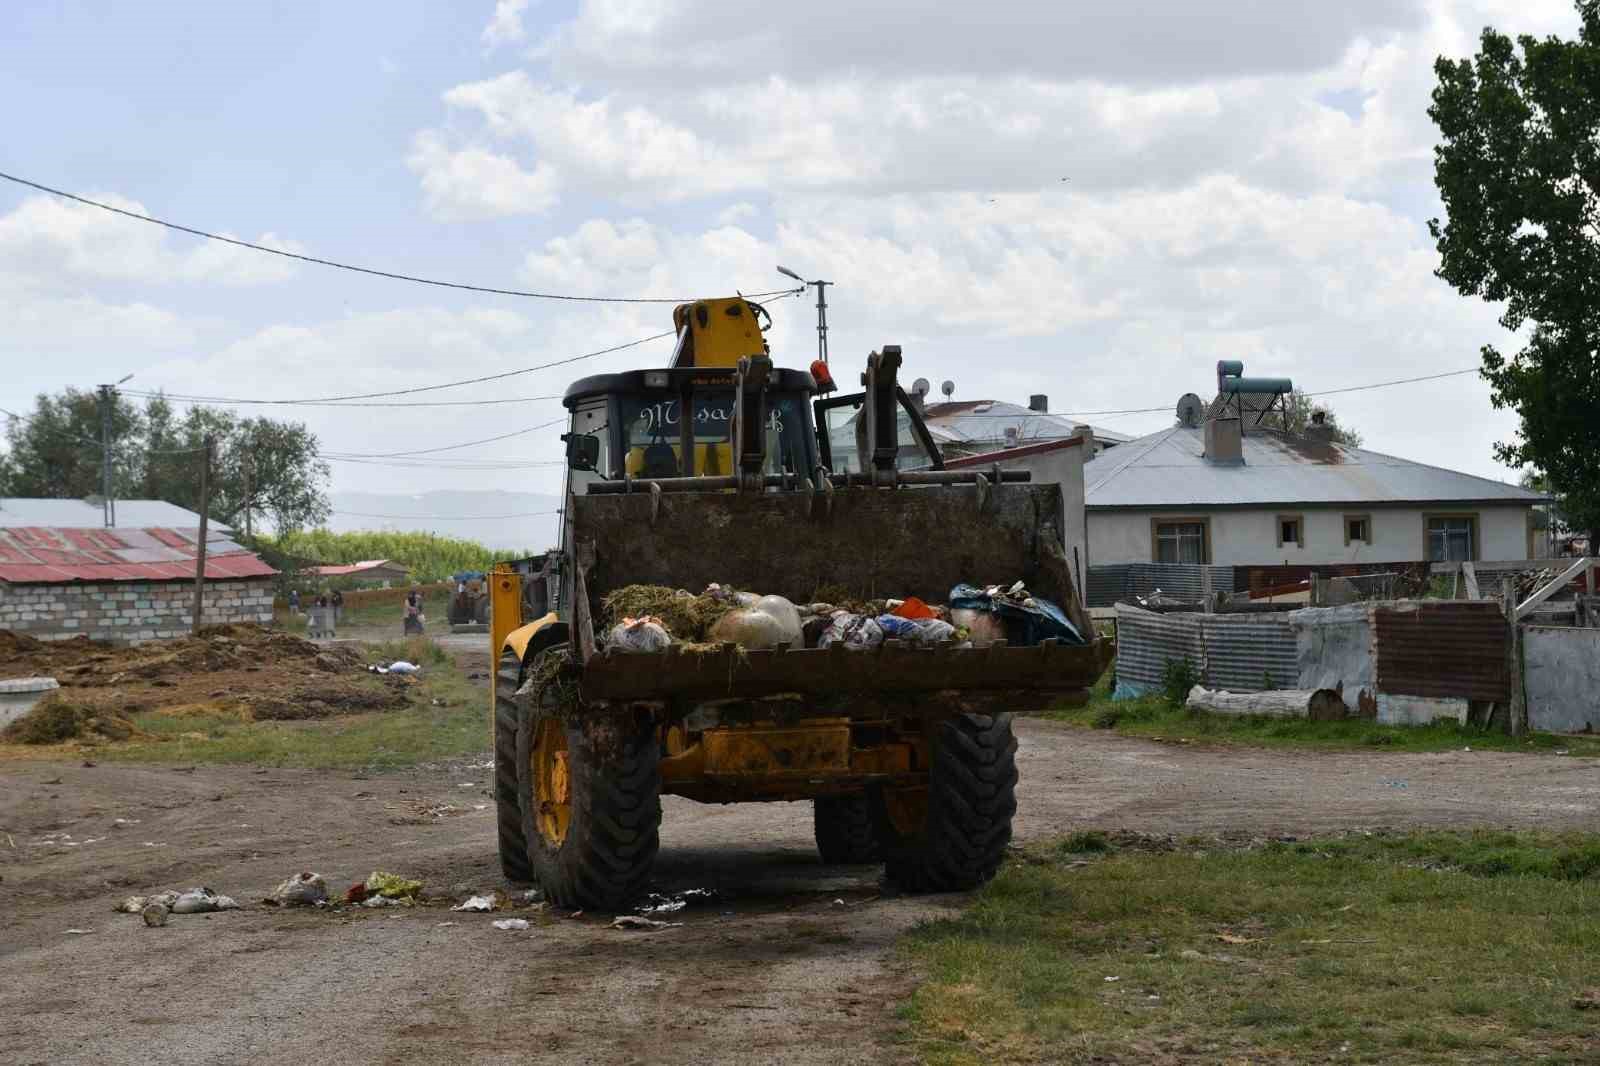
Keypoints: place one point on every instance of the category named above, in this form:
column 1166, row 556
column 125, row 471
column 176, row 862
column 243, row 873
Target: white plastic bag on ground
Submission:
column 302, row 890
column 403, row 667
column 511, row 924
column 201, row 901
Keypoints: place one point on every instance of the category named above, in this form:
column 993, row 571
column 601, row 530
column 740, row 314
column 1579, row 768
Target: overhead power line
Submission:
column 1169, row 407
column 445, row 447
column 221, row 402
column 392, row 275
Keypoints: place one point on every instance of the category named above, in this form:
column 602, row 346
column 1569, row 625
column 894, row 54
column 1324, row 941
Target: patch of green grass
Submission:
column 1388, row 948
column 457, row 725
column 1155, row 716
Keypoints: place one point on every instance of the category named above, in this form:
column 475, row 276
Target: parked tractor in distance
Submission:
column 725, row 469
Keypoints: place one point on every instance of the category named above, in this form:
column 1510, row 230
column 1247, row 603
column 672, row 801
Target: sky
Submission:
column 1091, row 201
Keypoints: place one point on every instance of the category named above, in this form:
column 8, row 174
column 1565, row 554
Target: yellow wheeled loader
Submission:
column 723, row 468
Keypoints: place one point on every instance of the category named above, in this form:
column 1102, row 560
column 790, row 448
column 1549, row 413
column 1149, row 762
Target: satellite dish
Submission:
column 920, row 387
column 1190, row 408
column 948, row 388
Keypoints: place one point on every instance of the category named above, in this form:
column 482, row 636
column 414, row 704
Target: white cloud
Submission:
column 46, row 241
column 476, row 183
column 677, row 42
column 505, row 25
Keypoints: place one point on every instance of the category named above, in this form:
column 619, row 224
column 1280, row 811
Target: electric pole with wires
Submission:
column 108, row 407
column 200, row 541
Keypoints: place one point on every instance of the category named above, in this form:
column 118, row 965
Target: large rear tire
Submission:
column 844, row 830
column 589, row 787
column 952, row 836
column 508, row 812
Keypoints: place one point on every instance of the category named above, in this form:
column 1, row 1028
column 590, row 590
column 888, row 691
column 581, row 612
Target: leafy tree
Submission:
column 1298, row 410
column 261, row 468
column 55, row 451
column 1518, row 169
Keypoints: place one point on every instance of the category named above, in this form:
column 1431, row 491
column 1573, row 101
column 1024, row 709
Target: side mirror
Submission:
column 583, row 450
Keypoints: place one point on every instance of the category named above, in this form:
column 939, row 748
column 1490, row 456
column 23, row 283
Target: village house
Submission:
column 64, row 574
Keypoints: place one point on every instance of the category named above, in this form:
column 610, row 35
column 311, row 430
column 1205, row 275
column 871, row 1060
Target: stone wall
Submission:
column 131, row 611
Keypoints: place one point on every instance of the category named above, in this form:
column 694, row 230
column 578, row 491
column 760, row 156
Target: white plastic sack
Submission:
column 855, row 631
column 403, row 667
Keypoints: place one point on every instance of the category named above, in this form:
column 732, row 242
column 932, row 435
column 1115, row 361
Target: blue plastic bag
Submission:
column 1035, row 617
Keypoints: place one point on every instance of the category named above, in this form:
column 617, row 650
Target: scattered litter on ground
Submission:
column 638, row 921
column 479, row 904
column 1109, row 979
column 387, row 901
column 655, row 903
column 1234, row 938
column 511, row 924
column 392, row 886
column 202, row 901
column 157, row 906
column 443, row 925
column 533, row 895
column 80, row 931
column 400, row 666
column 301, row 890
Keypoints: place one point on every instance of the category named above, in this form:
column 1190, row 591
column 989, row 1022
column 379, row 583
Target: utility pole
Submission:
column 822, row 310
column 108, row 406
column 200, row 544
column 249, row 479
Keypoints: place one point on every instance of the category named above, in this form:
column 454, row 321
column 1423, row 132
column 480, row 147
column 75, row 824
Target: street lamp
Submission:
column 822, row 311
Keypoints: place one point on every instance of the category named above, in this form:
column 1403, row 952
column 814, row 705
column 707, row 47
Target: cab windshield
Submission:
column 652, row 428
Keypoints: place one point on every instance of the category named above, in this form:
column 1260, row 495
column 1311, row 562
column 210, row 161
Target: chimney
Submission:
column 1039, row 402
column 1085, row 432
column 1319, row 428
column 1224, row 442
column 1011, row 436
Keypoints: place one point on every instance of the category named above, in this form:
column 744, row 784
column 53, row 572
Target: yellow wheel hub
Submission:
column 552, row 782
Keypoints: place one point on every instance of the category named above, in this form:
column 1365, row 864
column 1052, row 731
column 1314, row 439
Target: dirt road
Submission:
column 775, row 971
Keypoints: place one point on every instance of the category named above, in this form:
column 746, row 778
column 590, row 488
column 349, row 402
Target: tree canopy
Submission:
column 1518, row 170
column 1298, row 410
column 261, row 469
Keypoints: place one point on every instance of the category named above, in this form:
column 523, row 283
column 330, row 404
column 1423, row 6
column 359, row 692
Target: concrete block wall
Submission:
column 129, row 612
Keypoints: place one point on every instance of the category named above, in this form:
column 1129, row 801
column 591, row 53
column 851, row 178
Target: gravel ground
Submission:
column 793, row 963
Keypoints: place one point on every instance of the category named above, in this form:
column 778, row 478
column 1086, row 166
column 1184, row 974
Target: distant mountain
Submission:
column 512, row 521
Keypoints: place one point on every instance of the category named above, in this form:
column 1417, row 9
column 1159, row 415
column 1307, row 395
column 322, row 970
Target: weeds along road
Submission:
column 776, row 971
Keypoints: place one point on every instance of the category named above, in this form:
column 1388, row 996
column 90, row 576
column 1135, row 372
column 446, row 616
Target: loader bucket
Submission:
column 872, row 542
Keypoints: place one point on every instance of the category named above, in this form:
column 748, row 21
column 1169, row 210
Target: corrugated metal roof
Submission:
column 46, row 555
column 976, row 421
column 84, row 514
column 1168, row 469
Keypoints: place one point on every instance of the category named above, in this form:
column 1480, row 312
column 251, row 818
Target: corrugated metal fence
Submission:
column 1123, row 581
column 1238, row 652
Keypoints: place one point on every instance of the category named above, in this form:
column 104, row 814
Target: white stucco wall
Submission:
column 1248, row 537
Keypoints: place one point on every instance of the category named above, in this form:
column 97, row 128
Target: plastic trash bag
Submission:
column 854, row 631
column 1028, row 618
column 302, row 890
column 767, row 623
column 915, row 630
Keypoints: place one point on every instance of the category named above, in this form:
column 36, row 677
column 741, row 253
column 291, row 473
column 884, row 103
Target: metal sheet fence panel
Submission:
column 1241, row 653
column 1147, row 641
column 1449, row 648
column 1249, row 652
column 1123, row 581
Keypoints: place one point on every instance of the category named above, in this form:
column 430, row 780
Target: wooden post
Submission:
column 1517, row 709
column 1471, row 574
column 200, row 545
column 1207, row 602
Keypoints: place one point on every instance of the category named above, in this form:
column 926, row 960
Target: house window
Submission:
column 1452, row 538
column 1181, row 541
column 1292, row 530
column 1358, row 529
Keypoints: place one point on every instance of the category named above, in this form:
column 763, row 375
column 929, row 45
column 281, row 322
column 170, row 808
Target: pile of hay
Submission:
column 56, row 719
column 687, row 617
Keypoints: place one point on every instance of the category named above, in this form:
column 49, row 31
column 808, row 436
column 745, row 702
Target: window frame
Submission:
column 1203, row 521
column 1365, row 518
column 1299, row 528
column 1474, row 529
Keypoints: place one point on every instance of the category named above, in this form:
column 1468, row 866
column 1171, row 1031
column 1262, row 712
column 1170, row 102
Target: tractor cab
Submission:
column 649, row 425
